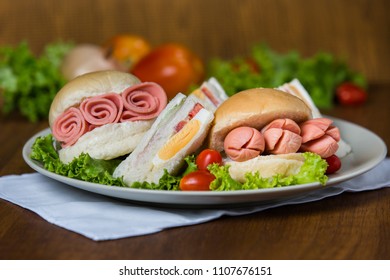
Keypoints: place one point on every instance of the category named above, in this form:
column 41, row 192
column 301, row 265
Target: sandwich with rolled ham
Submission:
column 179, row 131
column 104, row 114
column 269, row 137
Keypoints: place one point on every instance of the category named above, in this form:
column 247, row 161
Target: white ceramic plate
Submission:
column 367, row 151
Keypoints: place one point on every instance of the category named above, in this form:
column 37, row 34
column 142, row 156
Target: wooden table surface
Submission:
column 347, row 226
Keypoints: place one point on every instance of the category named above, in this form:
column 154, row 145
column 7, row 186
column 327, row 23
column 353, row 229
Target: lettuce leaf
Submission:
column 83, row 168
column 100, row 171
column 313, row 170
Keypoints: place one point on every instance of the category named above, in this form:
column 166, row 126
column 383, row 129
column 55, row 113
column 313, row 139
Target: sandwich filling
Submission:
column 184, row 132
column 140, row 102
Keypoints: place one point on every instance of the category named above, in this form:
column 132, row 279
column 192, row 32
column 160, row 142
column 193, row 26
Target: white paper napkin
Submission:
column 102, row 218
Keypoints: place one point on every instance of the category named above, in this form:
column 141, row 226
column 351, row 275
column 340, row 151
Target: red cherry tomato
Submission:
column 172, row 66
column 199, row 180
column 334, row 164
column 350, row 94
column 207, row 157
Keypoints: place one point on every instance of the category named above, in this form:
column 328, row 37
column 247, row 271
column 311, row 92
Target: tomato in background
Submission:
column 350, row 94
column 207, row 157
column 127, row 49
column 199, row 180
column 334, row 164
column 173, row 66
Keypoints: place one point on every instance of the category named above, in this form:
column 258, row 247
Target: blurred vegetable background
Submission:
column 29, row 83
column 244, row 43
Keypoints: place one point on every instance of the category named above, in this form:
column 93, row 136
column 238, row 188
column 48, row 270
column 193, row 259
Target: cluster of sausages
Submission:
column 283, row 136
column 142, row 101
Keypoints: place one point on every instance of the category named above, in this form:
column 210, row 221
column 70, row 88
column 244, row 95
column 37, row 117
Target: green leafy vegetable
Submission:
column 83, row 168
column 100, row 171
column 319, row 74
column 312, row 170
column 28, row 83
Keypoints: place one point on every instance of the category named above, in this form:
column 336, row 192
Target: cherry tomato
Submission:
column 172, row 66
column 199, row 180
column 127, row 49
column 334, row 164
column 350, row 94
column 206, row 157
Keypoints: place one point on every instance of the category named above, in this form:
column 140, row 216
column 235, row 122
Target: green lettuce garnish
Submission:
column 83, row 168
column 100, row 171
column 312, row 170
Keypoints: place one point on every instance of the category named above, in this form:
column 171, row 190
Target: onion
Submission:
column 86, row 58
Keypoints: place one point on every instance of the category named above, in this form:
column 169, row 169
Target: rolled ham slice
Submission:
column 102, row 109
column 69, row 127
column 143, row 101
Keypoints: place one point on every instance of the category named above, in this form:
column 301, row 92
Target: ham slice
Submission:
column 69, row 127
column 143, row 101
column 102, row 109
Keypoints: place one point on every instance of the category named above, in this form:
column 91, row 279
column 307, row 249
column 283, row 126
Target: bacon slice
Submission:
column 102, row 109
column 143, row 101
column 69, row 127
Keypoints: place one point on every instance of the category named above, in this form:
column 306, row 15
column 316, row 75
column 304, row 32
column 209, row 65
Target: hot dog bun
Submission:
column 255, row 108
column 267, row 166
column 108, row 140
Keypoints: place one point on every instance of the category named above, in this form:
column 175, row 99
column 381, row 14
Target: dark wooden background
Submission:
column 355, row 29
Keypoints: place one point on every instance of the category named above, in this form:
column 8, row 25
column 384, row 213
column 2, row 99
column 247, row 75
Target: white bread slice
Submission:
column 100, row 143
column 142, row 165
column 267, row 166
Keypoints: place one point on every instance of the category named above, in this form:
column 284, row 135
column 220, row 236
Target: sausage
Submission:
column 320, row 136
column 282, row 136
column 244, row 143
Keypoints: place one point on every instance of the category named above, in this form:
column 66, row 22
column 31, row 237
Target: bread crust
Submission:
column 89, row 85
column 255, row 108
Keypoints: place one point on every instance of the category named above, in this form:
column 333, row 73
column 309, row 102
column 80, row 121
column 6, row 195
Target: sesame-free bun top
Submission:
column 255, row 108
column 88, row 85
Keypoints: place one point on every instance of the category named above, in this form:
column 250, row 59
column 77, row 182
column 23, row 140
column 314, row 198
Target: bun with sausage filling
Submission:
column 104, row 114
column 265, row 131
